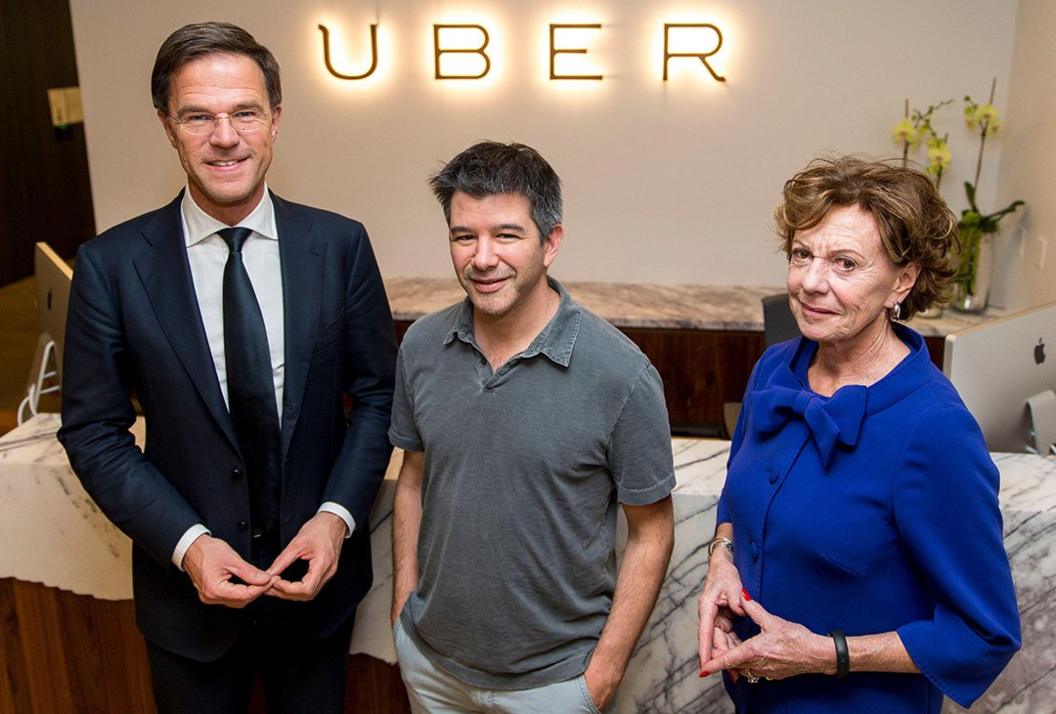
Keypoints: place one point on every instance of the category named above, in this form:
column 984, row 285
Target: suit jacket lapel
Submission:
column 302, row 255
column 166, row 277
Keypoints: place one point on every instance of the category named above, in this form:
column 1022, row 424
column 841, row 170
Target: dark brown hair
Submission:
column 915, row 224
column 207, row 38
column 490, row 167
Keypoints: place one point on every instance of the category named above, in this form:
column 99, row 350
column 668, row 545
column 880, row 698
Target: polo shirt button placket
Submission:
column 483, row 374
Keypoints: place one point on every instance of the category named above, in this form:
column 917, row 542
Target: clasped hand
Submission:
column 782, row 648
column 719, row 603
column 213, row 566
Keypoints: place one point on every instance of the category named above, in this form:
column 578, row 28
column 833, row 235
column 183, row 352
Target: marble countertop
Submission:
column 52, row 533
column 649, row 305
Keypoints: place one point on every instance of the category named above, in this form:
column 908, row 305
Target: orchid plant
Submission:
column 974, row 226
column 915, row 128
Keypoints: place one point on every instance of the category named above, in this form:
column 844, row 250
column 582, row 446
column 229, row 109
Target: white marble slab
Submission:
column 650, row 305
column 52, row 534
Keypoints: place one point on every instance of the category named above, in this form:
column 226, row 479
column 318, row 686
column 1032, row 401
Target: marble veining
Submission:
column 52, row 531
column 53, row 534
column 649, row 305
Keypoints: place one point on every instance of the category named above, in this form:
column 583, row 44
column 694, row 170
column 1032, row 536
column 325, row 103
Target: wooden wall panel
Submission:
column 61, row 652
column 69, row 653
column 14, row 694
column 44, row 674
column 701, row 370
column 375, row 686
column 936, row 349
column 45, row 193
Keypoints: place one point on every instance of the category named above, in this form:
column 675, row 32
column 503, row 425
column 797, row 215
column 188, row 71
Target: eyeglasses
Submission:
column 244, row 121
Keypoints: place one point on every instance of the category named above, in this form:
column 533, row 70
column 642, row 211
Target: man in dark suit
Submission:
column 257, row 336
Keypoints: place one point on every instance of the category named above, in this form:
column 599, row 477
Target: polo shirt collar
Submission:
column 555, row 341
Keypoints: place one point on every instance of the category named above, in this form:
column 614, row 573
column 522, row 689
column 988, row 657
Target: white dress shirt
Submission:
column 207, row 254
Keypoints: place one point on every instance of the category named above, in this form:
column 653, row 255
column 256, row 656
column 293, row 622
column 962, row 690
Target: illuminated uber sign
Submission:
column 472, row 40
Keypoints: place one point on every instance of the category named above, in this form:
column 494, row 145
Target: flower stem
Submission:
column 905, row 144
column 983, row 126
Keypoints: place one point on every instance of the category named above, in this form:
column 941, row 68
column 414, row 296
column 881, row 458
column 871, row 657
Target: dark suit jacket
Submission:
column 134, row 326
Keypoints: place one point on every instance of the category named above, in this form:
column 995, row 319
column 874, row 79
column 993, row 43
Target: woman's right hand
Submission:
column 718, row 604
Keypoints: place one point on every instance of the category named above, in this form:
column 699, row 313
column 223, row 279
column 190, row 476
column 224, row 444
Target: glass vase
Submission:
column 975, row 268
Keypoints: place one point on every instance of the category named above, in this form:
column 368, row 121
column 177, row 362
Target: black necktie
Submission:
column 250, row 389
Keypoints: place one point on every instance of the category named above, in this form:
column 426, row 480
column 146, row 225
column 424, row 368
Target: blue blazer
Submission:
column 134, row 327
column 871, row 511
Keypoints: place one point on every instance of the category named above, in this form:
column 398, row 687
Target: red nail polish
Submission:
column 745, row 595
column 704, row 673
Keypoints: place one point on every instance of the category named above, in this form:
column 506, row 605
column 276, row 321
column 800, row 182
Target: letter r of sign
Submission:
column 702, row 56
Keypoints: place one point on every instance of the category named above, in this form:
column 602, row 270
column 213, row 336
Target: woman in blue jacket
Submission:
column 858, row 563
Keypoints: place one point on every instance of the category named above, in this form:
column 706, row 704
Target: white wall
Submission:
column 664, row 182
column 1028, row 165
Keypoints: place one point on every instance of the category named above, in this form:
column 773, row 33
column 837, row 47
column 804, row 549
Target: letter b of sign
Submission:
column 439, row 51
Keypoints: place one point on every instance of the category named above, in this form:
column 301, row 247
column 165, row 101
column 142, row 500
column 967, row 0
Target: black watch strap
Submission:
column 843, row 655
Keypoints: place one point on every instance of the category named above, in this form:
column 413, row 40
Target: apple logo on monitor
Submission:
column 1039, row 351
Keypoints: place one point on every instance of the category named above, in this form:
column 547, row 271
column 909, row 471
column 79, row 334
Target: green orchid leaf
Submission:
column 998, row 215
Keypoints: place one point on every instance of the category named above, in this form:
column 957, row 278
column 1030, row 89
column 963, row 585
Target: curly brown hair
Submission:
column 915, row 224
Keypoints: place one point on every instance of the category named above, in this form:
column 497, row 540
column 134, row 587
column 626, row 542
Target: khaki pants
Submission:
column 434, row 691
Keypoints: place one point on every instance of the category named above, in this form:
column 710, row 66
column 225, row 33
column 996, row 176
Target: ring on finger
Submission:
column 752, row 678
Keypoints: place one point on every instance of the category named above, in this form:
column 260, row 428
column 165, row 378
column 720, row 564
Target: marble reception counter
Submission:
column 647, row 305
column 703, row 339
column 53, row 534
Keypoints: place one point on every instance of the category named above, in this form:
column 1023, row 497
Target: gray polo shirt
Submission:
column 523, row 471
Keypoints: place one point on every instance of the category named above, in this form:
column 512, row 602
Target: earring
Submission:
column 896, row 311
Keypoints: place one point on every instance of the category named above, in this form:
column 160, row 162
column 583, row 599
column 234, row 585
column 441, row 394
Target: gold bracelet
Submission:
column 719, row 542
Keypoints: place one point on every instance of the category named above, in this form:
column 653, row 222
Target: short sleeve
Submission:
column 946, row 511
column 640, row 446
column 403, row 429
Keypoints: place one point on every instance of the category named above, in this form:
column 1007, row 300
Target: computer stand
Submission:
column 1041, row 410
column 43, row 378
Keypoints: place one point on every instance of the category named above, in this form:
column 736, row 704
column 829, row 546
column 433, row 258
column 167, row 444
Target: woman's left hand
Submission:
column 782, row 649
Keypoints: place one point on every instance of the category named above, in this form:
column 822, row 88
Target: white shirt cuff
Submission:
column 341, row 512
column 185, row 542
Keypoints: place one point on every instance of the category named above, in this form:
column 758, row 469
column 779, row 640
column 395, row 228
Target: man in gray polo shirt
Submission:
column 525, row 420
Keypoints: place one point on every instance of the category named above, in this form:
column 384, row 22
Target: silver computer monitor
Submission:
column 1001, row 365
column 53, row 278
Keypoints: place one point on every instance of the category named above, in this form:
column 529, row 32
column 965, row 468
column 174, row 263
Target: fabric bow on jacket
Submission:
column 830, row 419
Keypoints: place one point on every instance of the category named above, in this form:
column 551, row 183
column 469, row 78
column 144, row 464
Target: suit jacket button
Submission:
column 236, row 473
column 755, row 550
column 774, row 473
column 243, row 526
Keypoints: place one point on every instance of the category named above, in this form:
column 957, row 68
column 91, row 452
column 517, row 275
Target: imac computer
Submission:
column 53, row 278
column 1005, row 372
